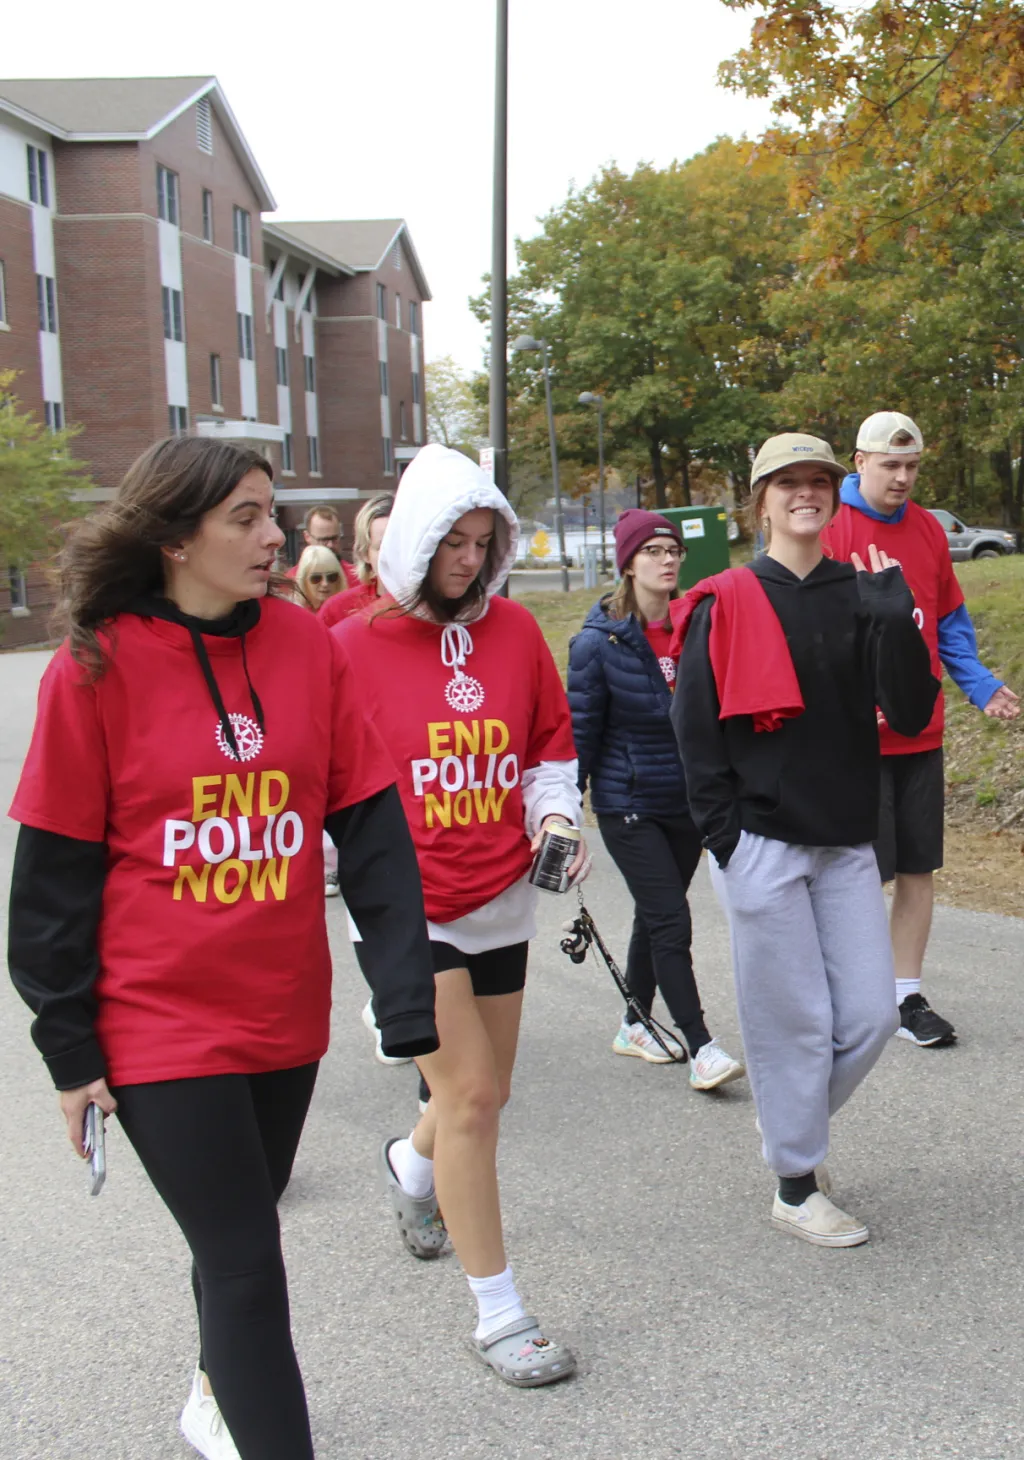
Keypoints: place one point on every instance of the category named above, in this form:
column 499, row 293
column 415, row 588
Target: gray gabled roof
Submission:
column 124, row 109
column 362, row 243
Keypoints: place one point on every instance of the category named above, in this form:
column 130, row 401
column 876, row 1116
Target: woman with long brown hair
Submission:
column 194, row 736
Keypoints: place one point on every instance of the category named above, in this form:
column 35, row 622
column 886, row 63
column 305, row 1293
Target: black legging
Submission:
column 657, row 856
column 219, row 1149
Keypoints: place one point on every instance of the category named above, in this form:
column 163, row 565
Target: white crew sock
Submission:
column 498, row 1302
column 415, row 1172
column 905, row 987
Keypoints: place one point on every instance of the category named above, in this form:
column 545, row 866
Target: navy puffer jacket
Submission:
column 620, row 706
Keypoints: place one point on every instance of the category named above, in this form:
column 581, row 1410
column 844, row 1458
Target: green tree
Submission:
column 37, row 477
column 454, row 415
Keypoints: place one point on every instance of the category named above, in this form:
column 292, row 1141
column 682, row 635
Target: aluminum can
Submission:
column 554, row 856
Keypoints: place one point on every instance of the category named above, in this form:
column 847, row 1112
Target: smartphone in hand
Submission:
column 94, row 1147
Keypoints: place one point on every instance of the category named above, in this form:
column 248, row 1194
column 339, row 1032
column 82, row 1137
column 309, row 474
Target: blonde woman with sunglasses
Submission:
column 317, row 578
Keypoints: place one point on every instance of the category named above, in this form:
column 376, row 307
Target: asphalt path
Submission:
column 637, row 1224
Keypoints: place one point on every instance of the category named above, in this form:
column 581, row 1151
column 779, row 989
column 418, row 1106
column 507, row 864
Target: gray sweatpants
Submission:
column 814, row 984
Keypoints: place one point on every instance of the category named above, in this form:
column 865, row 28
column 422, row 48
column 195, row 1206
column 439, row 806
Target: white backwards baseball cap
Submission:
column 877, row 431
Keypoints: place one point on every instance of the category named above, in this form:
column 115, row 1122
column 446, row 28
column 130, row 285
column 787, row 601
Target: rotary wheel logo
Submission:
column 464, row 693
column 248, row 738
column 668, row 669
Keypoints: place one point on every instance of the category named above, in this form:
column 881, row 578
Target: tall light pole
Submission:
column 498, row 423
column 527, row 342
column 588, row 398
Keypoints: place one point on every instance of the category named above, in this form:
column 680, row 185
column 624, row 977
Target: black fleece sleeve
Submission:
column 710, row 780
column 899, row 664
column 56, row 894
column 380, row 882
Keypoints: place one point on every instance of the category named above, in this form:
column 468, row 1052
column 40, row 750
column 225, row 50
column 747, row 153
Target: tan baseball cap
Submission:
column 877, row 431
column 791, row 449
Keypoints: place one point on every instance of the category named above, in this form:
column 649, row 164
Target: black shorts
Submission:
column 498, row 971
column 911, row 815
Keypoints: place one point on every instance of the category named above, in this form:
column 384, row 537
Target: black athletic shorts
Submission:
column 911, row 814
column 498, row 971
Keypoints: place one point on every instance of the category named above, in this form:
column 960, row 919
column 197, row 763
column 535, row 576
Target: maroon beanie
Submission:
column 633, row 529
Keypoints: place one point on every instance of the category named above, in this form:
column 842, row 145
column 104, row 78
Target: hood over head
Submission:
column 438, row 487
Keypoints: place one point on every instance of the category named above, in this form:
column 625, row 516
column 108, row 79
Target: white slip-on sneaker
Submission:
column 371, row 1024
column 819, row 1221
column 711, row 1067
column 203, row 1425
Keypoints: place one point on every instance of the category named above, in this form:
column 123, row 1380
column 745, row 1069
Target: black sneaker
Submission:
column 921, row 1025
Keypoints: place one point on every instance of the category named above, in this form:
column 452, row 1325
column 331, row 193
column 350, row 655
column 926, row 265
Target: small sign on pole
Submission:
column 487, row 461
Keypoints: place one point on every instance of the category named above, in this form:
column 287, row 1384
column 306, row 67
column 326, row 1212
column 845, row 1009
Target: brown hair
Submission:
column 114, row 555
column 621, row 602
column 370, row 512
column 902, row 438
column 326, row 512
column 751, row 510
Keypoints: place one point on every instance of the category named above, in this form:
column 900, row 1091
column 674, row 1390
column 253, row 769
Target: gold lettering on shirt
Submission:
column 244, row 855
column 467, row 773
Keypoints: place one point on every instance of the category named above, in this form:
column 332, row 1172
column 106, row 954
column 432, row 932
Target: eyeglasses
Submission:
column 324, row 578
column 658, row 554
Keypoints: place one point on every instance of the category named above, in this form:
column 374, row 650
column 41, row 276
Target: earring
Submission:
column 181, row 557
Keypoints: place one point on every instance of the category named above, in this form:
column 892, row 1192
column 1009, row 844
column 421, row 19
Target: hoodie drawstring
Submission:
column 456, row 643
column 215, row 694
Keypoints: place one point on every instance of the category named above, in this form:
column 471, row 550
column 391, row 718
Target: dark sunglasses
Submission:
column 325, row 577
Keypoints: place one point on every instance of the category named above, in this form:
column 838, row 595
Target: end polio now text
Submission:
column 245, row 852
column 468, row 770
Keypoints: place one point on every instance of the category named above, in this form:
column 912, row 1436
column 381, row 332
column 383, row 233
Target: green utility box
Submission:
column 705, row 533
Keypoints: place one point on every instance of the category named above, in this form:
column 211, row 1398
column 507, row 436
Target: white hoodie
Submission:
column 438, row 487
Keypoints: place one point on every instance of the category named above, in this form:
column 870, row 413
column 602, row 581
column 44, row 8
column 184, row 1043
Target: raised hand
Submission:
column 879, row 561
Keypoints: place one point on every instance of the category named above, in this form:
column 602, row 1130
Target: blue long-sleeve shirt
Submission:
column 958, row 643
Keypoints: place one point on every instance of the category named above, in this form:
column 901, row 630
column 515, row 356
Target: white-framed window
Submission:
column 207, row 215
column 204, row 126
column 383, row 377
column 382, row 302
column 398, row 311
column 245, row 345
column 389, row 457
column 174, row 318
column 414, row 317
column 216, row 397
column 279, row 291
column 309, row 371
column 313, row 446
column 416, row 397
column 38, row 176
column 46, row 298
column 402, row 432
column 3, row 295
column 167, row 194
column 19, row 592
column 54, row 412
column 242, row 233
column 178, row 418
column 287, row 453
column 281, row 364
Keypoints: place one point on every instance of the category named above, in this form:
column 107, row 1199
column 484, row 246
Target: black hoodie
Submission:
column 816, row 780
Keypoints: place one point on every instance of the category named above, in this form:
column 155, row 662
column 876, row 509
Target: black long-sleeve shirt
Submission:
column 815, row 780
column 56, row 897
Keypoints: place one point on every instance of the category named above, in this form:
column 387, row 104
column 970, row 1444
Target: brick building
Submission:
column 142, row 293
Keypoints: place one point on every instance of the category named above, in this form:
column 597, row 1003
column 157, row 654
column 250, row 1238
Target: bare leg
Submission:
column 910, row 921
column 469, row 1079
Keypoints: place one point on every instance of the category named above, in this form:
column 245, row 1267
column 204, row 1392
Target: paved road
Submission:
column 541, row 580
column 637, row 1224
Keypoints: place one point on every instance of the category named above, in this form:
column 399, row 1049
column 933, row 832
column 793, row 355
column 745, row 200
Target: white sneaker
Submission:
column 371, row 1024
column 332, row 887
column 634, row 1039
column 711, row 1067
column 203, row 1425
column 820, row 1221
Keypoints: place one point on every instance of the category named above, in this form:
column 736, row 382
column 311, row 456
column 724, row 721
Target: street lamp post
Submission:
column 588, row 398
column 498, row 423
column 527, row 342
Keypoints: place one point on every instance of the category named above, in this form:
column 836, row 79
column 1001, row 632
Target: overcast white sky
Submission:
column 385, row 110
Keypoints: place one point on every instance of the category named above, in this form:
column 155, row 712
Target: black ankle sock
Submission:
column 796, row 1189
column 696, row 1035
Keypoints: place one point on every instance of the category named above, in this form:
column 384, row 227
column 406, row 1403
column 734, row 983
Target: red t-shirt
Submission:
column 660, row 640
column 920, row 547
column 212, row 940
column 350, row 574
column 461, row 745
column 340, row 605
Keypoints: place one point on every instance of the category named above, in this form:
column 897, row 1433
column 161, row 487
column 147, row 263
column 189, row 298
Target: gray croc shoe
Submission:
column 521, row 1355
column 419, row 1219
